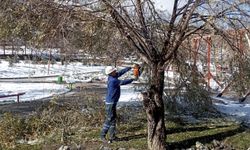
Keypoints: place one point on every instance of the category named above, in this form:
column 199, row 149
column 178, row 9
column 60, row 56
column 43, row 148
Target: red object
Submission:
column 136, row 70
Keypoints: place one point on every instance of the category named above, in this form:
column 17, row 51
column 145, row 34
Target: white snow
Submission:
column 75, row 72
column 234, row 109
column 33, row 91
column 128, row 94
column 28, row 69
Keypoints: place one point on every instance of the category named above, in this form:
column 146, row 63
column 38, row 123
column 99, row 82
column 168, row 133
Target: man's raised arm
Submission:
column 121, row 72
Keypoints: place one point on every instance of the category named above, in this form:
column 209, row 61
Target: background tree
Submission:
column 49, row 24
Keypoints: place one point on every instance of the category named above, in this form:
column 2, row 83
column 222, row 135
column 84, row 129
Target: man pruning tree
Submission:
column 112, row 97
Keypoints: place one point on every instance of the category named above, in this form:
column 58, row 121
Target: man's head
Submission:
column 110, row 71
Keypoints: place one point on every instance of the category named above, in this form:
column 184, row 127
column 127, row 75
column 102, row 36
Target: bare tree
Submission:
column 157, row 37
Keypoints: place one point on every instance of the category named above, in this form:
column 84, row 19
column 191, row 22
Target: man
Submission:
column 112, row 97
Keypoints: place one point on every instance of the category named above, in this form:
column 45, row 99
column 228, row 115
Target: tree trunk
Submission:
column 154, row 106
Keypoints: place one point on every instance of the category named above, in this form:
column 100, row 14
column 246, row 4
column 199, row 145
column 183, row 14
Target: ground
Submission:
column 80, row 115
column 27, row 107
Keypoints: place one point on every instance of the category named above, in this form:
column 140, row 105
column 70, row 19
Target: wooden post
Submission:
column 12, row 47
column 49, row 60
column 4, row 47
column 25, row 49
column 209, row 45
column 14, row 94
column 17, row 98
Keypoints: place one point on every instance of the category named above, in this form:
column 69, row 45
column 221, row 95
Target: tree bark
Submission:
column 154, row 106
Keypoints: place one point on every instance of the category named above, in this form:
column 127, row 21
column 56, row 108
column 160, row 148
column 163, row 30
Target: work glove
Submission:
column 136, row 70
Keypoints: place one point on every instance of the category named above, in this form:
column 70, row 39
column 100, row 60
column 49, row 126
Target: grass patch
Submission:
column 26, row 147
column 62, row 124
column 187, row 136
column 240, row 141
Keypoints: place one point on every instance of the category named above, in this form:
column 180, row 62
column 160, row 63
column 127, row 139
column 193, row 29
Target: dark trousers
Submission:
column 110, row 121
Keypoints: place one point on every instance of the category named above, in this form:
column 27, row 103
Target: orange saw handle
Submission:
column 136, row 70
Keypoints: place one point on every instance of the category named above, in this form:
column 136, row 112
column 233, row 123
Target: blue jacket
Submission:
column 114, row 90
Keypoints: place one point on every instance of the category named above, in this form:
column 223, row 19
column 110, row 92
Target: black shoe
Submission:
column 115, row 139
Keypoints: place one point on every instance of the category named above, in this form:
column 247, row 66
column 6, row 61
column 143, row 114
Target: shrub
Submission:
column 11, row 129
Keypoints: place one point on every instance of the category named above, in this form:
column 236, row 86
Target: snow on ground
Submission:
column 33, row 91
column 28, row 69
column 129, row 94
column 76, row 72
column 234, row 109
column 73, row 72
